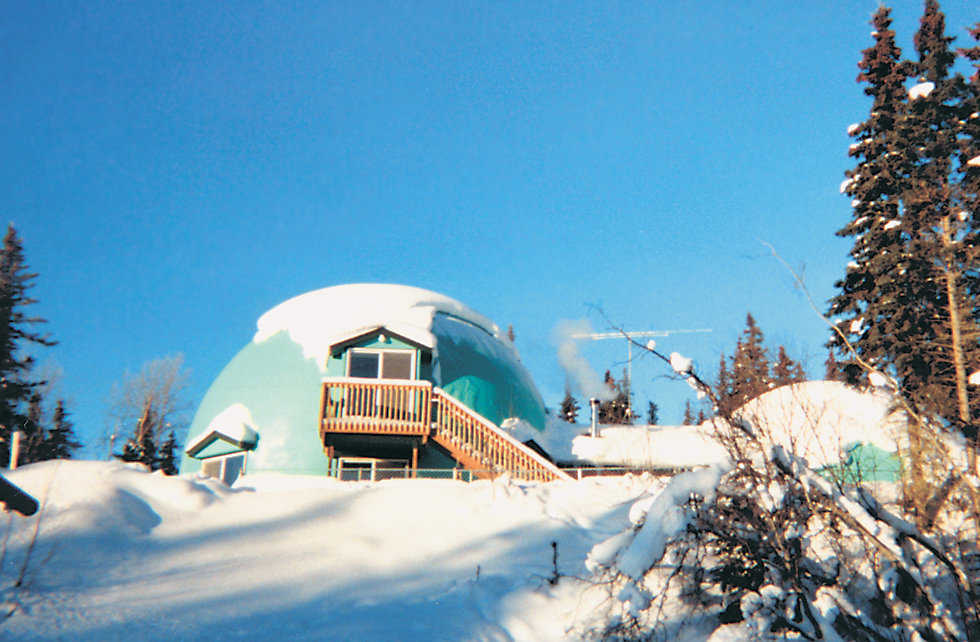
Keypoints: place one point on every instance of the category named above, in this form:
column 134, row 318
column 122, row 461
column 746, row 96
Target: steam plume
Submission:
column 582, row 379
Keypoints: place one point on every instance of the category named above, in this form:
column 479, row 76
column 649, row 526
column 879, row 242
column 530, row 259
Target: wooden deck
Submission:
column 402, row 407
column 365, row 406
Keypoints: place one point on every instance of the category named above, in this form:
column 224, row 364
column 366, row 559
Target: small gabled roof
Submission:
column 408, row 334
column 201, row 447
column 233, row 426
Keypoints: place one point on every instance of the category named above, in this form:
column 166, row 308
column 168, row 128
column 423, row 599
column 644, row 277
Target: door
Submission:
column 392, row 402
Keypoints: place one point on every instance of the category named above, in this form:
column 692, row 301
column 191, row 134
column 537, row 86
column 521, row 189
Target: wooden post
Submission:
column 15, row 449
column 415, row 460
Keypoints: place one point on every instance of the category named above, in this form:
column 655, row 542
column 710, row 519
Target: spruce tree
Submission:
column 60, row 441
column 943, row 241
column 32, row 432
column 167, row 461
column 17, row 336
column 141, row 447
column 750, row 364
column 832, row 367
column 616, row 409
column 785, row 370
column 723, row 388
column 907, row 302
column 569, row 407
column 872, row 292
column 688, row 419
column 652, row 410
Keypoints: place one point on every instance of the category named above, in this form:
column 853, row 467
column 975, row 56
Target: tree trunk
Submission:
column 951, row 277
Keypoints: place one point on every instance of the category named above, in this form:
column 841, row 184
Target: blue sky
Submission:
column 175, row 169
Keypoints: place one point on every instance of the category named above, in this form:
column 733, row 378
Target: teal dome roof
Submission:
column 267, row 399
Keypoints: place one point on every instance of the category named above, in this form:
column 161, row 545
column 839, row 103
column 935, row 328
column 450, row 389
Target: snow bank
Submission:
column 110, row 498
column 319, row 319
column 650, row 446
column 126, row 554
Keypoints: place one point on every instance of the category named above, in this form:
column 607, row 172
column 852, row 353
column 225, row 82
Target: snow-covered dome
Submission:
column 829, row 422
column 274, row 382
column 821, row 416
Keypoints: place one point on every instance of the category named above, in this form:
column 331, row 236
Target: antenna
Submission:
column 599, row 336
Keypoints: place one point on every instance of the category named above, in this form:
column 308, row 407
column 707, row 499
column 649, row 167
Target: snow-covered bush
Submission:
column 765, row 547
column 773, row 549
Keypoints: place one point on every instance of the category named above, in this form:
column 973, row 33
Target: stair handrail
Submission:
column 438, row 394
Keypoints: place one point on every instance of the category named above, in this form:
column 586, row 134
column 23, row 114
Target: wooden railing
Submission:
column 481, row 446
column 385, row 406
column 405, row 407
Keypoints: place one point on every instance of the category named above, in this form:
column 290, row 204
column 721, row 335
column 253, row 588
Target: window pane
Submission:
column 211, row 468
column 364, row 364
column 396, row 365
column 233, row 468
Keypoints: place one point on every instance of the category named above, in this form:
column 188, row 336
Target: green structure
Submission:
column 262, row 412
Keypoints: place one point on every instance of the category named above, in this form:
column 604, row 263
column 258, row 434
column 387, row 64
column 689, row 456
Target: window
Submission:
column 227, row 468
column 370, row 469
column 381, row 364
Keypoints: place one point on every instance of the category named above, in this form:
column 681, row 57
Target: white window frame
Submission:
column 413, row 374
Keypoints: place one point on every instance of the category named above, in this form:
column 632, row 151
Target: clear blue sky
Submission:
column 175, row 169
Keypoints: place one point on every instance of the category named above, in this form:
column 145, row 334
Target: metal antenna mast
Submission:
column 598, row 336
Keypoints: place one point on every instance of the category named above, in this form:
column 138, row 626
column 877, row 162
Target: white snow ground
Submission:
column 124, row 554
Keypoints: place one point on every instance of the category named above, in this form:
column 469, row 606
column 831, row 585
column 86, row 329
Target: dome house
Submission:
column 367, row 381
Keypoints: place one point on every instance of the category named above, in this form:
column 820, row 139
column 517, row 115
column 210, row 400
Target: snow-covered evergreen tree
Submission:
column 167, row 460
column 872, row 293
column 937, row 235
column 615, row 410
column 17, row 337
column 569, row 408
column 908, row 301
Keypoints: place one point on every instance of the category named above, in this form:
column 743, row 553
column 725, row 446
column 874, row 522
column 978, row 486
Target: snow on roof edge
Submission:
column 316, row 319
column 235, row 423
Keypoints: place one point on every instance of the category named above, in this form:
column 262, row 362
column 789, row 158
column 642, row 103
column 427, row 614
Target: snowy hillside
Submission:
column 123, row 554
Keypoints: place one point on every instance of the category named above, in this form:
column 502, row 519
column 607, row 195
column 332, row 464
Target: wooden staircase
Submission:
column 481, row 446
column 394, row 407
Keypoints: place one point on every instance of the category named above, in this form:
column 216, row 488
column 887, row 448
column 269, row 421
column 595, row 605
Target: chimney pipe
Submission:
column 594, row 404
